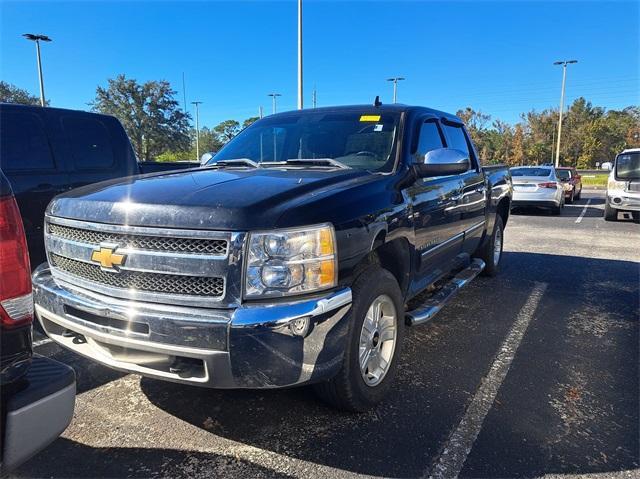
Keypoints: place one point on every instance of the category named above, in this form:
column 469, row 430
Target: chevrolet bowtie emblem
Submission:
column 107, row 258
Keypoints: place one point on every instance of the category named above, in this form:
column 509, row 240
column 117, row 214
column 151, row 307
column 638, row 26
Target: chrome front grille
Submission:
column 153, row 243
column 151, row 264
column 150, row 282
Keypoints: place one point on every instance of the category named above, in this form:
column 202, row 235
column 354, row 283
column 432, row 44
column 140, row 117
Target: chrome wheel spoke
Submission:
column 377, row 340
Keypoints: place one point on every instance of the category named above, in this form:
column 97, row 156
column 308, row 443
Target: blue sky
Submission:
column 494, row 56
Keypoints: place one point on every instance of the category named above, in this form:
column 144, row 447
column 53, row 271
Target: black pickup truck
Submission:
column 297, row 255
column 47, row 151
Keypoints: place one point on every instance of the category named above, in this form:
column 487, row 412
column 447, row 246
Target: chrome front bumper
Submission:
column 257, row 345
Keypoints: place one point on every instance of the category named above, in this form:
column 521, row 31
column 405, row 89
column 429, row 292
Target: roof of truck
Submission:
column 391, row 107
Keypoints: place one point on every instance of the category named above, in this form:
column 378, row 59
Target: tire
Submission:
column 349, row 390
column 579, row 195
column 487, row 251
column 610, row 214
column 556, row 210
column 571, row 198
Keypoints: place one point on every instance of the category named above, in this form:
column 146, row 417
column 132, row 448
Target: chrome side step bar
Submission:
column 435, row 303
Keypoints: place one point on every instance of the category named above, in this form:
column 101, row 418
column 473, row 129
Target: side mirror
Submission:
column 204, row 159
column 442, row 162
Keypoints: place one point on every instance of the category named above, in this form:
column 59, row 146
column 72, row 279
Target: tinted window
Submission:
column 457, row 138
column 361, row 140
column 24, row 144
column 90, row 143
column 428, row 140
column 563, row 174
column 531, row 172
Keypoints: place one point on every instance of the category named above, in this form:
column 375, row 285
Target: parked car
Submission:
column 47, row 151
column 37, row 394
column 623, row 186
column 537, row 186
column 287, row 260
column 571, row 182
column 607, row 165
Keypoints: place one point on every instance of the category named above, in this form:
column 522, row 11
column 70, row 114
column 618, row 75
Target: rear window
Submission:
column 24, row 144
column 544, row 172
column 90, row 143
column 563, row 174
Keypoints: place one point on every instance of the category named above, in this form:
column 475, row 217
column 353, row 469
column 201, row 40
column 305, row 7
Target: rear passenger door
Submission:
column 92, row 149
column 474, row 191
column 436, row 218
column 35, row 173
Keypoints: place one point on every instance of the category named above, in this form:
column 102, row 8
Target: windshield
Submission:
column 563, row 174
column 531, row 172
column 359, row 140
column 628, row 166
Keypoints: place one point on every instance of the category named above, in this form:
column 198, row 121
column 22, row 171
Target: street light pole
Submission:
column 300, row 97
column 197, row 105
column 38, row 39
column 273, row 101
column 564, row 64
column 395, row 81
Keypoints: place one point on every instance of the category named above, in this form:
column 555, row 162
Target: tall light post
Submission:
column 300, row 102
column 38, row 39
column 197, row 105
column 564, row 64
column 395, row 81
column 273, row 101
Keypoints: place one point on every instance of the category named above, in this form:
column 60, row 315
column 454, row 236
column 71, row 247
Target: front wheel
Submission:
column 376, row 330
column 610, row 214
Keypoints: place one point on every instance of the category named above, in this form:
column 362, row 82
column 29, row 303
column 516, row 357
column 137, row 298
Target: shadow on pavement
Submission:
column 442, row 365
column 134, row 462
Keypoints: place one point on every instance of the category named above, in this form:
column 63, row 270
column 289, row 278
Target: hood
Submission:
column 234, row 199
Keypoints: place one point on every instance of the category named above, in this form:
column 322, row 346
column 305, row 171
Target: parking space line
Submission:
column 459, row 444
column 584, row 211
column 42, row 342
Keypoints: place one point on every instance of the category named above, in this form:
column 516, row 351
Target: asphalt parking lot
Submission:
column 533, row 372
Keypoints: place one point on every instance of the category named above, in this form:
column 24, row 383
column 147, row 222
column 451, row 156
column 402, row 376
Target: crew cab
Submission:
column 47, row 151
column 297, row 255
column 623, row 185
column 37, row 394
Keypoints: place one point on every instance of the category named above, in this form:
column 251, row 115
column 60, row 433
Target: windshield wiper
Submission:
column 237, row 161
column 319, row 161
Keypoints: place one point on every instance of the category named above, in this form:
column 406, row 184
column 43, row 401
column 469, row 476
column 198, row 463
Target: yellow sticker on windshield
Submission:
column 370, row 118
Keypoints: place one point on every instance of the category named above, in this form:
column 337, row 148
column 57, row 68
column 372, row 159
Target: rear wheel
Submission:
column 571, row 197
column 577, row 197
column 610, row 214
column 376, row 330
column 491, row 251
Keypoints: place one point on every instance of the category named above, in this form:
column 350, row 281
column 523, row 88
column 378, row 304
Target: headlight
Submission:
column 291, row 261
column 615, row 185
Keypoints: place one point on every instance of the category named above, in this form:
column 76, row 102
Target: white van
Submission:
column 623, row 187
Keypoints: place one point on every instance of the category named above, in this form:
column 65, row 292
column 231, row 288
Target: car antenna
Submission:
column 377, row 101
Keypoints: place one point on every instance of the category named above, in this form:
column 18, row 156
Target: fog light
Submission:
column 300, row 326
column 617, row 201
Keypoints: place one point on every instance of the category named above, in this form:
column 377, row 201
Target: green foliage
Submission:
column 12, row 94
column 249, row 121
column 226, row 130
column 590, row 134
column 149, row 113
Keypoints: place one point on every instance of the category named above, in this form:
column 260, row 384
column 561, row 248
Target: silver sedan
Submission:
column 537, row 186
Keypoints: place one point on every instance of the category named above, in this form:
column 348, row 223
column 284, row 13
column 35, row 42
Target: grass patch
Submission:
column 595, row 180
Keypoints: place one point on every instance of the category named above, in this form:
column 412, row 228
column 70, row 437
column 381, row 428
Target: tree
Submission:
column 517, row 152
column 149, row 113
column 249, row 121
column 226, row 130
column 12, row 94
